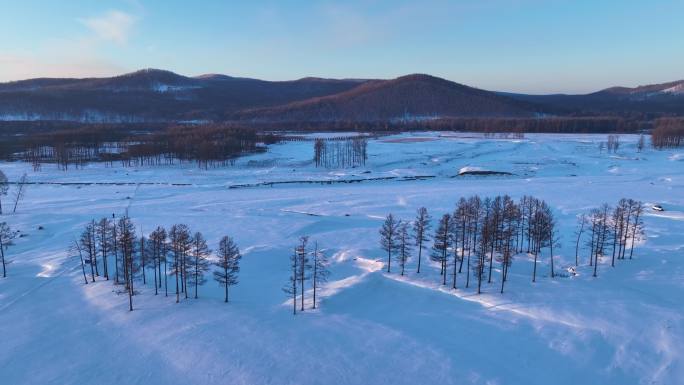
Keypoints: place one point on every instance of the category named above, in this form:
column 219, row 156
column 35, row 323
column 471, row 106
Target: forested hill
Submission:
column 152, row 95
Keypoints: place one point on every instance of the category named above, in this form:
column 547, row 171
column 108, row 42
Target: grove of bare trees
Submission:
column 482, row 233
column 177, row 253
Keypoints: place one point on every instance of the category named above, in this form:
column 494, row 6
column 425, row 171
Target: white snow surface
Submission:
column 624, row 327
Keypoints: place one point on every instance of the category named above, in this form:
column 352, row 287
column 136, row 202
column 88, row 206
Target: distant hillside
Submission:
column 160, row 96
column 646, row 101
column 652, row 90
column 411, row 97
column 153, row 95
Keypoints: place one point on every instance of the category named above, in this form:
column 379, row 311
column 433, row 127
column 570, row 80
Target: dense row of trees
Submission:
column 177, row 253
column 207, row 145
column 307, row 267
column 340, row 153
column 592, row 124
column 477, row 234
column 668, row 132
column 482, row 232
column 610, row 232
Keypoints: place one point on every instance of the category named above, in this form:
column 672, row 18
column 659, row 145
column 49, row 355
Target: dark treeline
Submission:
column 351, row 152
column 308, row 266
column 208, row 145
column 112, row 250
column 215, row 144
column 482, row 233
column 668, row 132
column 596, row 124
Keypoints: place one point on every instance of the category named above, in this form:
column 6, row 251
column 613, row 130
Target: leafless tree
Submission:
column 421, row 229
column 4, row 187
column 320, row 270
column 404, row 243
column 180, row 239
column 228, row 264
column 76, row 248
column 20, row 191
column 6, row 236
column 582, row 221
column 442, row 242
column 198, row 261
column 388, row 238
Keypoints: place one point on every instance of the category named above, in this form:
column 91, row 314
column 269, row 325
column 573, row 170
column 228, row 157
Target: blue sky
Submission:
column 536, row 46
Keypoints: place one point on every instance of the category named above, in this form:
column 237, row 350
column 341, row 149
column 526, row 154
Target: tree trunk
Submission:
column 4, row 269
column 142, row 258
column 154, row 268
column 453, row 286
column 196, row 275
column 225, row 272
column 634, row 229
column 166, row 280
column 553, row 274
column 491, row 261
column 389, row 257
column 420, row 252
column 92, row 268
column 468, row 270
column 175, row 263
column 579, row 235
column 315, row 274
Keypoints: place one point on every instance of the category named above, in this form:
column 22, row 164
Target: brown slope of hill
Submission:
column 411, row 97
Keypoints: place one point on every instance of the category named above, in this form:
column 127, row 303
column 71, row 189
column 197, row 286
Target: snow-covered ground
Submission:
column 624, row 327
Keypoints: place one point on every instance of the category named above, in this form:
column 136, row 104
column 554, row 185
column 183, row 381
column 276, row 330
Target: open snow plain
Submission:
column 624, row 327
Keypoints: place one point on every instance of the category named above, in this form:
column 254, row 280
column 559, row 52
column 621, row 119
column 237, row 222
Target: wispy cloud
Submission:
column 80, row 55
column 14, row 67
column 115, row 26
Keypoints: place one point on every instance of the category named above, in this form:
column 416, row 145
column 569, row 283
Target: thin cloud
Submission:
column 115, row 26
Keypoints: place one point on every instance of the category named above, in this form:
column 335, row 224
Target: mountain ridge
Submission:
column 155, row 95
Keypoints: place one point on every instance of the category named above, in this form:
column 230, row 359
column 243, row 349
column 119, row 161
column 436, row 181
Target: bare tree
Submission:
column 320, row 270
column 198, row 261
column 76, row 248
column 102, row 236
column 144, row 255
column 292, row 285
column 6, row 236
column 126, row 240
column 637, row 225
column 421, row 229
column 87, row 242
column 641, row 143
column 115, row 250
column 404, row 243
column 20, row 191
column 582, row 221
column 442, row 242
column 388, row 238
column 228, row 264
column 474, row 213
column 158, row 246
column 180, row 238
column 4, row 187
column 304, row 265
